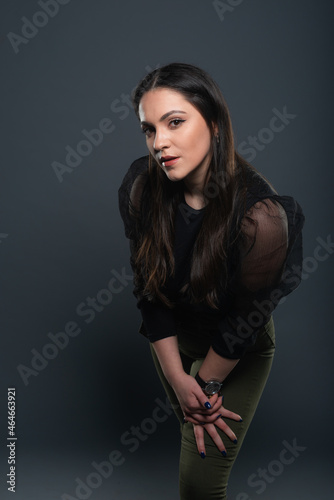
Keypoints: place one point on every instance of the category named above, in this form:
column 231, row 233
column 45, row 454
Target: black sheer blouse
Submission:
column 267, row 266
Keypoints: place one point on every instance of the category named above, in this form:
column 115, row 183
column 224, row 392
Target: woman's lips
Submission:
column 168, row 161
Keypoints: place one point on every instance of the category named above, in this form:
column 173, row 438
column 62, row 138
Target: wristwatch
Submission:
column 210, row 387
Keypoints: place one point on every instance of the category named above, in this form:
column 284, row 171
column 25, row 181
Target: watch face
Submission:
column 212, row 387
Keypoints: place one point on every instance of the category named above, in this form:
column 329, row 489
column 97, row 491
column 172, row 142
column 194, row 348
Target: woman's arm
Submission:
column 167, row 352
column 190, row 395
column 257, row 285
column 195, row 405
column 216, row 367
column 262, row 258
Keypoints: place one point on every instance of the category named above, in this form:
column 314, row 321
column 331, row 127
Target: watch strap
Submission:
column 200, row 381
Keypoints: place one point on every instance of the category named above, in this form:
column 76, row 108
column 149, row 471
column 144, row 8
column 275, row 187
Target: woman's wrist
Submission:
column 175, row 377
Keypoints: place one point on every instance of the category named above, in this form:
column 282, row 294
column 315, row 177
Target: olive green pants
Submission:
column 207, row 479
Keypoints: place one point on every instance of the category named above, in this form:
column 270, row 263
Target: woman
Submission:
column 212, row 249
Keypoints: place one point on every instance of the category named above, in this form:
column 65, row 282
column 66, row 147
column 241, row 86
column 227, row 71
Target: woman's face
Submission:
column 176, row 135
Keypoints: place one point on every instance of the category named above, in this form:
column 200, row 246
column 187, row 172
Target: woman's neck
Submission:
column 195, row 199
column 194, row 188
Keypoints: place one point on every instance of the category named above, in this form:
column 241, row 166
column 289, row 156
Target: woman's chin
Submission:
column 174, row 176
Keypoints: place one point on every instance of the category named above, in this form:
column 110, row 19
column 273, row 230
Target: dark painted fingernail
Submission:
column 224, row 453
column 235, row 441
column 207, row 405
column 241, row 420
column 185, row 421
column 202, row 454
column 219, row 416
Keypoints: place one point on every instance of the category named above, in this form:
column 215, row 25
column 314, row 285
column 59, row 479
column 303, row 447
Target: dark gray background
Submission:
column 59, row 241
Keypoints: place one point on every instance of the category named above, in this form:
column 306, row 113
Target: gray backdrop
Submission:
column 91, row 417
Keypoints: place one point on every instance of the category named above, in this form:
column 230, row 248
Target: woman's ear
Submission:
column 215, row 129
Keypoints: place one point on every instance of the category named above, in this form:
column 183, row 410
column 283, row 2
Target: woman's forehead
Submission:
column 157, row 102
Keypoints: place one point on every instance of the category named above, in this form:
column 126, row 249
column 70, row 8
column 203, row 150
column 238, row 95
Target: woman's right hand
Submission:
column 196, row 406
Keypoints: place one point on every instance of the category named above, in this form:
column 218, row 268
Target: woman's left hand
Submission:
column 211, row 429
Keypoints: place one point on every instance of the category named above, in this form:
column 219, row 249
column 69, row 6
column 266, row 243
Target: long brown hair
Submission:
column 224, row 194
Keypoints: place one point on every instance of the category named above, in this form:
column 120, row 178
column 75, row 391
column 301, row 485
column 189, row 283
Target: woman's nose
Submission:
column 161, row 140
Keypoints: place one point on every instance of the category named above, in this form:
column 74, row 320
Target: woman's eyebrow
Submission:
column 166, row 115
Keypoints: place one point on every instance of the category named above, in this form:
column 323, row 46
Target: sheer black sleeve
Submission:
column 270, row 265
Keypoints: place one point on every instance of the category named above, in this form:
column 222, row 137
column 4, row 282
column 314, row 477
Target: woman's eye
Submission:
column 176, row 122
column 147, row 131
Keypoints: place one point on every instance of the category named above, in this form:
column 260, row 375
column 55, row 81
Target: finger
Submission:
column 216, row 402
column 222, row 425
column 230, row 414
column 212, row 431
column 199, row 436
column 206, row 402
column 209, row 405
column 216, row 406
column 194, row 418
column 202, row 419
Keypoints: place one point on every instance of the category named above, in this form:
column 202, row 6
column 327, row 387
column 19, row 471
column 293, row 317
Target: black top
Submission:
column 268, row 267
